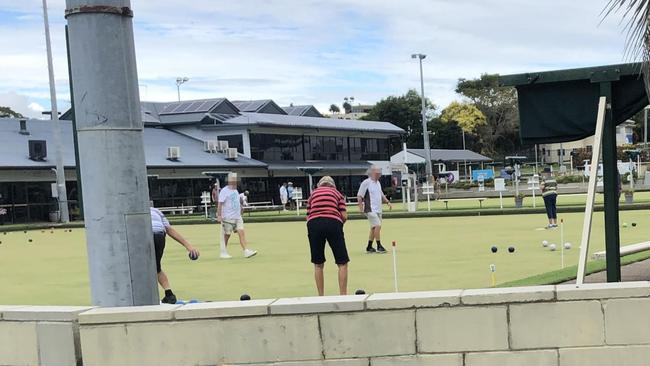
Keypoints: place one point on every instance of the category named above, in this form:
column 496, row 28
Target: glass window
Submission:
column 326, row 148
column 271, row 147
column 234, row 141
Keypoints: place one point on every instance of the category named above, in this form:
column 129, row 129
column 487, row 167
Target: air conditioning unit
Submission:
column 37, row 149
column 210, row 146
column 222, row 146
column 173, row 153
column 231, row 153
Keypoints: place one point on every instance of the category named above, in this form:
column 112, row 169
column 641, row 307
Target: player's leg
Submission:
column 159, row 249
column 371, row 234
column 242, row 239
column 336, row 240
column 317, row 238
column 377, row 222
column 226, row 231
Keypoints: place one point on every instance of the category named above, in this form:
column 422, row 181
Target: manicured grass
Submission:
column 433, row 253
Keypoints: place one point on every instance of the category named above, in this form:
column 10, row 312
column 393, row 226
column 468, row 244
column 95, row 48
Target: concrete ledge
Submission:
column 324, row 304
column 406, row 300
column 519, row 358
column 507, row 295
column 128, row 314
column 450, row 359
column 4, row 308
column 603, row 290
column 605, row 356
column 44, row 313
column 224, row 309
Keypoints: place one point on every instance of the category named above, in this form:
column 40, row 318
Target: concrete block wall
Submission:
column 598, row 324
column 40, row 335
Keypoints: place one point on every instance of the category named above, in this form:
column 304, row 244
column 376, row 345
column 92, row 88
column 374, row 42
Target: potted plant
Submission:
column 519, row 199
column 629, row 195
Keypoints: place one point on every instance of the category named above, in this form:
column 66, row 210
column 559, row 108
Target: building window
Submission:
column 369, row 149
column 270, row 147
column 234, row 141
column 326, row 148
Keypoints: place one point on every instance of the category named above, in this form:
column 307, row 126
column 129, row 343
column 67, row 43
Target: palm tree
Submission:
column 636, row 17
column 334, row 108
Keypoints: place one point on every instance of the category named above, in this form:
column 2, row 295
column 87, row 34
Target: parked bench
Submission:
column 262, row 206
column 479, row 199
column 183, row 210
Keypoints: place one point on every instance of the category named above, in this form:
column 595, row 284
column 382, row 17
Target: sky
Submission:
column 315, row 51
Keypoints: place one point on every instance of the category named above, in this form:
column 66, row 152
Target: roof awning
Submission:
column 561, row 106
column 324, row 167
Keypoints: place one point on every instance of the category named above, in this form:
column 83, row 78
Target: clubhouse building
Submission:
column 188, row 143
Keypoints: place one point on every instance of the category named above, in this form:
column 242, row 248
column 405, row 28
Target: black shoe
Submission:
column 370, row 250
column 169, row 299
column 381, row 249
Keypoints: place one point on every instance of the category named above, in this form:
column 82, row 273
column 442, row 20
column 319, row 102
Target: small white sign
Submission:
column 55, row 191
column 499, row 184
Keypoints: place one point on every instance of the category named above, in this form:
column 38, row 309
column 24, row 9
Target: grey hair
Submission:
column 326, row 181
column 373, row 167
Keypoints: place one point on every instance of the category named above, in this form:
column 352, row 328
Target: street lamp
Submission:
column 62, row 194
column 180, row 81
column 425, row 130
column 645, row 126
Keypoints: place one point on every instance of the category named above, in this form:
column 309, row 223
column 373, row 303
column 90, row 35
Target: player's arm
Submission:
column 343, row 209
column 362, row 191
column 182, row 241
column 386, row 200
column 219, row 210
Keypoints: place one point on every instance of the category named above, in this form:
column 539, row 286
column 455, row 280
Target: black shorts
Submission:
column 159, row 247
column 321, row 230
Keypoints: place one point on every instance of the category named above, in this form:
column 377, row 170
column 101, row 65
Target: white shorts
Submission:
column 374, row 218
column 230, row 226
column 284, row 201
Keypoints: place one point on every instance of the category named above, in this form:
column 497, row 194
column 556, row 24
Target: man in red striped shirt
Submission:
column 326, row 214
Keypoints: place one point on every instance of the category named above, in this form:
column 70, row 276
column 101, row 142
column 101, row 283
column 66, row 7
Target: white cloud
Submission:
column 318, row 51
column 22, row 104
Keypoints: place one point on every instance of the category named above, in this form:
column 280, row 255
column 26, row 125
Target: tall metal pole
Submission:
column 110, row 131
column 62, row 193
column 178, row 89
column 425, row 130
column 645, row 127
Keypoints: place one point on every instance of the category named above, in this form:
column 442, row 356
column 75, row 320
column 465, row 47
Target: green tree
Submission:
column 499, row 135
column 347, row 107
column 8, row 112
column 404, row 111
column 466, row 115
column 334, row 108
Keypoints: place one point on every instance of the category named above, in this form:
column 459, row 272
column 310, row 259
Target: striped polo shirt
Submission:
column 550, row 187
column 326, row 202
column 159, row 222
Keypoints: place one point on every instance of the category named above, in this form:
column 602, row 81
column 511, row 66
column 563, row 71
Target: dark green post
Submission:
column 80, row 200
column 610, row 168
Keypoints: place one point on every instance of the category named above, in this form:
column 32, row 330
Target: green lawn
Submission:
column 433, row 253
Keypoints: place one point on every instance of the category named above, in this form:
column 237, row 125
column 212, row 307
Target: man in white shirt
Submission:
column 284, row 195
column 229, row 212
column 370, row 198
column 161, row 228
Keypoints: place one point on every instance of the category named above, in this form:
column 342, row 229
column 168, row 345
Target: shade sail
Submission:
column 561, row 106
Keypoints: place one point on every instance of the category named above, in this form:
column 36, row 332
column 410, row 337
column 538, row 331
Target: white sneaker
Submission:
column 249, row 253
column 225, row 255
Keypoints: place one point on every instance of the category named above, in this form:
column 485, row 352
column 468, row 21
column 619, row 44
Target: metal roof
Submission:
column 326, row 166
column 594, row 74
column 302, row 110
column 259, row 106
column 14, row 152
column 191, row 106
column 287, row 121
column 450, row 155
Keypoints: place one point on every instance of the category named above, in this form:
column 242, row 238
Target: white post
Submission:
column 62, row 193
column 501, row 199
column 395, row 265
column 534, row 203
column 591, row 192
column 562, row 241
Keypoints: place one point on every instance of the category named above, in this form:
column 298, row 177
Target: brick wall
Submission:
column 599, row 324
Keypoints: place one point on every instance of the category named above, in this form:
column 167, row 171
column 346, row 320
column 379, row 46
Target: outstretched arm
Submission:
column 181, row 240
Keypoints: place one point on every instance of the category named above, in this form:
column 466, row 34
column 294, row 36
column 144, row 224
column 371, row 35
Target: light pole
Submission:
column 425, row 130
column 180, row 81
column 645, row 126
column 62, row 195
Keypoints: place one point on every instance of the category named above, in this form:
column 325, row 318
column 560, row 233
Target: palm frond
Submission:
column 636, row 23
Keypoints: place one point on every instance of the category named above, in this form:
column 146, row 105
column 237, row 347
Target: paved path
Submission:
column 639, row 271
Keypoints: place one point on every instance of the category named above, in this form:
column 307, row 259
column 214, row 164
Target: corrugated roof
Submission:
column 302, row 110
column 14, row 152
column 450, row 155
column 258, row 106
column 278, row 120
column 291, row 166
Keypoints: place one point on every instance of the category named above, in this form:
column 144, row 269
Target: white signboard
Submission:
column 499, row 184
column 453, row 176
